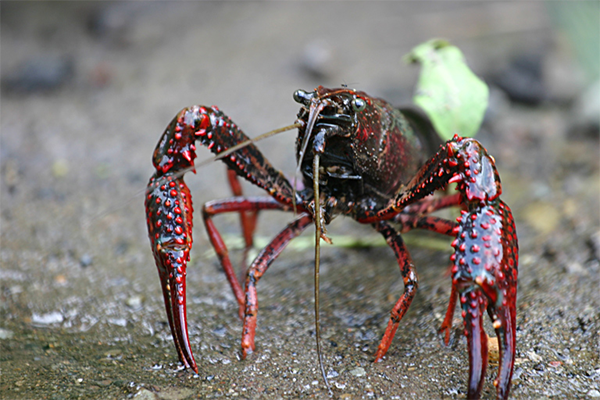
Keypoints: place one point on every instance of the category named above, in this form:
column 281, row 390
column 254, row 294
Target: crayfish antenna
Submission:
column 318, row 234
column 245, row 143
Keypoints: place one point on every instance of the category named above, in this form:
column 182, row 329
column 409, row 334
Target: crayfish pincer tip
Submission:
column 195, row 368
column 477, row 343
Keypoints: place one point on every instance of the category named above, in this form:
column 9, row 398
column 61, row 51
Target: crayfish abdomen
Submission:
column 359, row 157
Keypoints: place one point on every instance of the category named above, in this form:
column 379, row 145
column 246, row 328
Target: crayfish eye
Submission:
column 300, row 96
column 358, row 104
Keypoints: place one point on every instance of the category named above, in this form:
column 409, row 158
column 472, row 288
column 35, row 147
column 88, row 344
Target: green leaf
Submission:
column 453, row 97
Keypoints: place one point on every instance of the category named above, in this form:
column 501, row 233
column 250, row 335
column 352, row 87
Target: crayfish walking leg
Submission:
column 409, row 275
column 256, row 271
column 235, row 204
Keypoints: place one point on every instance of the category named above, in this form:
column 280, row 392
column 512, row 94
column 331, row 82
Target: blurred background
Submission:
column 87, row 88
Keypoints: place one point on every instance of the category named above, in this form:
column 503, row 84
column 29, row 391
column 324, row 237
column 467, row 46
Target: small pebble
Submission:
column 85, row 260
column 117, row 321
column 593, row 393
column 339, row 385
column 555, row 364
column 533, row 356
column 145, row 394
column 113, row 353
column 576, row 268
column 332, row 374
column 220, row 331
column 54, row 317
column 134, row 302
column 358, row 372
column 6, row 334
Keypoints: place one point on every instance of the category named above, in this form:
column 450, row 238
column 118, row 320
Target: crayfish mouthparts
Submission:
column 360, row 157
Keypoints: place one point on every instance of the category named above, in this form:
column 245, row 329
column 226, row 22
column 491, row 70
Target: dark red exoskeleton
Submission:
column 358, row 157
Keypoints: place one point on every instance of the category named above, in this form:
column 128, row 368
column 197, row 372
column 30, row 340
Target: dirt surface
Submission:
column 87, row 89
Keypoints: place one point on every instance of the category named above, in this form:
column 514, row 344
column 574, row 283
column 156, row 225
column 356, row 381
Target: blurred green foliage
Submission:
column 453, row 97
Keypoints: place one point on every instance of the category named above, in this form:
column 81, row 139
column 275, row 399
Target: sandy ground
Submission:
column 89, row 87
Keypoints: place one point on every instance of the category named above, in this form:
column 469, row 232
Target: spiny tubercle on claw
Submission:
column 169, row 201
column 476, row 173
column 484, row 251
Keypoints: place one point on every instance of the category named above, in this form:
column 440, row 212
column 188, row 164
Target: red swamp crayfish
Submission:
column 360, row 157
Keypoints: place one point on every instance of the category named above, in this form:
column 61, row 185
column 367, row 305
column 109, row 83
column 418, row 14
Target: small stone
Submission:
column 332, row 374
column 113, row 353
column 358, row 372
column 145, row 394
column 85, row 260
column 555, row 364
column 576, row 268
column 6, row 334
column 175, row 393
column 117, row 321
column 533, row 356
column 220, row 331
column 54, row 317
column 593, row 393
column 134, row 302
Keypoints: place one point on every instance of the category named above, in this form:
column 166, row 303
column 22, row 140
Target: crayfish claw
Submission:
column 175, row 304
column 485, row 275
column 473, row 304
column 169, row 218
column 506, row 333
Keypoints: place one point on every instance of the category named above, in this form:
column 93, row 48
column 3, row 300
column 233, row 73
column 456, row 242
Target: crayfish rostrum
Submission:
column 360, row 157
